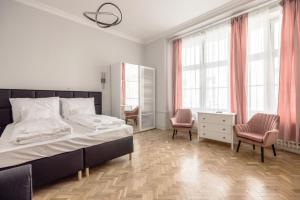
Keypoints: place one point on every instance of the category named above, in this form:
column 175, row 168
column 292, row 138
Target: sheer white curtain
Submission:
column 264, row 28
column 216, row 67
column 192, row 60
column 205, row 62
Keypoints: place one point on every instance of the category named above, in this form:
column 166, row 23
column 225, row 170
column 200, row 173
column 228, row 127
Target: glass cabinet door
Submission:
column 147, row 98
column 130, row 95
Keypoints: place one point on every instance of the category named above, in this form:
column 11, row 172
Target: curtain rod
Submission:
column 204, row 27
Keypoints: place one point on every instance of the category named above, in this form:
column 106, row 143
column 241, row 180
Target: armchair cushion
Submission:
column 182, row 125
column 257, row 137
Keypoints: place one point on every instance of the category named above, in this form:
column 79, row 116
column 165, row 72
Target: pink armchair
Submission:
column 182, row 121
column 133, row 115
column 261, row 130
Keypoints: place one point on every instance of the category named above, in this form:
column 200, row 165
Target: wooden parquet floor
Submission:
column 162, row 168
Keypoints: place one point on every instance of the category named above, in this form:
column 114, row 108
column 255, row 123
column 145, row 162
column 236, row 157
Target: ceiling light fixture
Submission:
column 96, row 16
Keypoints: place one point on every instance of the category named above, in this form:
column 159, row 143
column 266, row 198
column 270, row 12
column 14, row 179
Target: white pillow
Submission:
column 34, row 108
column 77, row 106
column 36, row 113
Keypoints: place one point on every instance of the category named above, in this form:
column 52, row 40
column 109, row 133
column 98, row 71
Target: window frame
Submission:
column 203, row 66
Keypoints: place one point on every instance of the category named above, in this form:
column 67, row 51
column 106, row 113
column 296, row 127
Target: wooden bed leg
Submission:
column 87, row 172
column 79, row 174
column 130, row 156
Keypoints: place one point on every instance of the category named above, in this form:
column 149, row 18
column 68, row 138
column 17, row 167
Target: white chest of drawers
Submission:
column 216, row 126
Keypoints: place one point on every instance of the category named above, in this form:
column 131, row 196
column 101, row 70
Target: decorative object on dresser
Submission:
column 261, row 130
column 182, row 120
column 216, row 126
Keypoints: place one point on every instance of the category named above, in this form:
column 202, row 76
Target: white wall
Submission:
column 156, row 56
column 43, row 51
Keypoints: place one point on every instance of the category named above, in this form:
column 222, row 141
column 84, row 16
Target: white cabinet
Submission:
column 133, row 87
column 216, row 126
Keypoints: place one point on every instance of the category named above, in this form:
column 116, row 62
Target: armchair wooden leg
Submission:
column 253, row 147
column 190, row 135
column 175, row 131
column 274, row 151
column 238, row 147
column 262, row 154
column 173, row 134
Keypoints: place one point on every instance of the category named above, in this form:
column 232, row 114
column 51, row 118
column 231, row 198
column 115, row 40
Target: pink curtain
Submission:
column 177, row 75
column 289, row 83
column 238, row 72
column 123, row 85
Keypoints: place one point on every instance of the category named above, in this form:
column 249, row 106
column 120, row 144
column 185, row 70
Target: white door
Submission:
column 147, row 98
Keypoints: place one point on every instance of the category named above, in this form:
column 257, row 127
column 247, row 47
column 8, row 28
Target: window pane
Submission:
column 256, row 72
column 256, row 43
column 131, row 72
column 263, row 60
column 223, row 76
column 223, row 99
column 210, row 98
column 276, row 66
column 277, row 35
column 206, row 70
column 212, row 77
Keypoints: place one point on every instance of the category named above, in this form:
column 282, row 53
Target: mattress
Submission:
column 13, row 154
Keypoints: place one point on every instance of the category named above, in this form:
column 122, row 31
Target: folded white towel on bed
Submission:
column 39, row 130
column 96, row 122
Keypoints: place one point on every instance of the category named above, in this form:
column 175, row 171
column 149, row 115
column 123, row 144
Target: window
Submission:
column 263, row 60
column 132, row 86
column 205, row 66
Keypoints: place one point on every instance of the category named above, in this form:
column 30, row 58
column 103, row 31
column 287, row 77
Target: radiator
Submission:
column 288, row 146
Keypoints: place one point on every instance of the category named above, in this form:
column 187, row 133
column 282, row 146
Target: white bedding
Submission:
column 13, row 154
column 96, row 122
column 31, row 131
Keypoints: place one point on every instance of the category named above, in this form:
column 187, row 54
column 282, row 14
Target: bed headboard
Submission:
column 5, row 94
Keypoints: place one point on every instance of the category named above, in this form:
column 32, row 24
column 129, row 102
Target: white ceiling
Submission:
column 143, row 20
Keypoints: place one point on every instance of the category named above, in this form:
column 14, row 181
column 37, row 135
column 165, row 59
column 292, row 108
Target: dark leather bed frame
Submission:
column 50, row 169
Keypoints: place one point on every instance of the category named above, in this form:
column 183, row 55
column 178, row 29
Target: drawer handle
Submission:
column 203, row 118
column 224, row 129
column 224, row 137
column 203, row 126
column 204, row 133
column 224, row 120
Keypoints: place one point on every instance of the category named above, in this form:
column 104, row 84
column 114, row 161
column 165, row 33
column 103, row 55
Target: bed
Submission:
column 65, row 156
